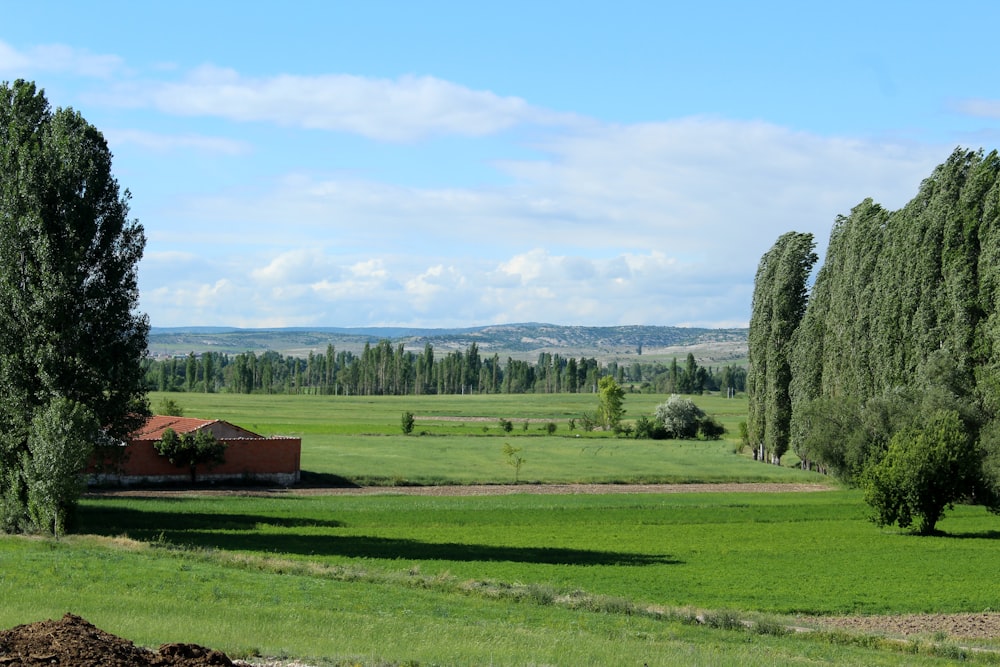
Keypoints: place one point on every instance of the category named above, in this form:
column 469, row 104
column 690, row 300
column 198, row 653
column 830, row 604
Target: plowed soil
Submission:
column 985, row 625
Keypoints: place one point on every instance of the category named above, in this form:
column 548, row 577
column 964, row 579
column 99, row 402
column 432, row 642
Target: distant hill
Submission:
column 520, row 341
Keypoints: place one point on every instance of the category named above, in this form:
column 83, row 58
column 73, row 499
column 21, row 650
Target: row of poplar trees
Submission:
column 887, row 372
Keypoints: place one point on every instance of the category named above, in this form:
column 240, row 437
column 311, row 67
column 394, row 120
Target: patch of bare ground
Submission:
column 985, row 625
column 473, row 490
column 74, row 641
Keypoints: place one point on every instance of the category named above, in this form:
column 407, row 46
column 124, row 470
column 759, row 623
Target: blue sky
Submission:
column 447, row 164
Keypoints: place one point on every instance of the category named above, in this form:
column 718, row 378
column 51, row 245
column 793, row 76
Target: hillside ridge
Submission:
column 519, row 340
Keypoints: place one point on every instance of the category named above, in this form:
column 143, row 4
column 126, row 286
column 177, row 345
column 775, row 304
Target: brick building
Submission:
column 249, row 457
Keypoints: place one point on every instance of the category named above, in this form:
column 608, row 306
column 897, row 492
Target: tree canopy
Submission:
column 69, row 327
column 895, row 362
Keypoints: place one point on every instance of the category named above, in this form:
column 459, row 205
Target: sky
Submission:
column 459, row 164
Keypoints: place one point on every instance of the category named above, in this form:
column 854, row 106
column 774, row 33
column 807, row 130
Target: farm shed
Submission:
column 248, row 457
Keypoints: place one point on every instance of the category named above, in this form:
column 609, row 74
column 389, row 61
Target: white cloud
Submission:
column 57, row 58
column 659, row 223
column 982, row 108
column 295, row 266
column 395, row 110
column 162, row 143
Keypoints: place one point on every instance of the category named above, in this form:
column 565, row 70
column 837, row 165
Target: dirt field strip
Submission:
column 472, row 490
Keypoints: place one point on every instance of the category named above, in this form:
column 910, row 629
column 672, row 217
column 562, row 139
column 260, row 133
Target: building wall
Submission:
column 275, row 460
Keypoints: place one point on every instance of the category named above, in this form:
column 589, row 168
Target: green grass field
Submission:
column 522, row 579
column 360, row 439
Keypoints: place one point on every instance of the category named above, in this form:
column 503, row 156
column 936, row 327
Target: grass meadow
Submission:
column 459, row 440
column 518, row 579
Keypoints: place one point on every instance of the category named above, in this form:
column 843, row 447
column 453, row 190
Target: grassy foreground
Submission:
column 514, row 580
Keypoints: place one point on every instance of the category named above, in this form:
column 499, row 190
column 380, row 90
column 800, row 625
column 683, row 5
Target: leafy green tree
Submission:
column 779, row 303
column 189, row 450
column 68, row 282
column 406, row 422
column 61, row 441
column 924, row 472
column 611, row 400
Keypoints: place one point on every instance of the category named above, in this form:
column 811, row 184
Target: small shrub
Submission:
column 506, row 425
column 169, row 407
column 550, row 428
column 406, row 423
column 514, row 459
column 711, row 429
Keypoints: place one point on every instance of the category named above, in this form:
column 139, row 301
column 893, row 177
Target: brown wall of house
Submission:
column 261, row 458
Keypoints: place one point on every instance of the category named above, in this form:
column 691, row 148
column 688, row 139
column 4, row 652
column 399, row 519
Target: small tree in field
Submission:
column 191, row 449
column 925, row 471
column 514, row 459
column 611, row 399
column 406, row 423
column 169, row 406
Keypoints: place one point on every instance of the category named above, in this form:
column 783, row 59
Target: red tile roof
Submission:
column 157, row 424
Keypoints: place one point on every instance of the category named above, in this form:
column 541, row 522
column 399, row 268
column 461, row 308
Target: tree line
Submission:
column 389, row 369
column 887, row 372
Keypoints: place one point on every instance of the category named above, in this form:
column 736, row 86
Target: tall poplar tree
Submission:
column 69, row 328
column 779, row 302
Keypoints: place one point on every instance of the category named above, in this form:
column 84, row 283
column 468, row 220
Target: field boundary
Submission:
column 475, row 490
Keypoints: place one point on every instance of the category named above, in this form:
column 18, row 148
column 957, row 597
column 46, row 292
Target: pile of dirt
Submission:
column 74, row 641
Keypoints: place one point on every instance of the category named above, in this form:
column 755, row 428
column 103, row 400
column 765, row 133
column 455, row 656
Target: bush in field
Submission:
column 679, row 416
column 649, row 429
column 406, row 422
column 588, row 421
column 169, row 406
column 550, row 428
column 507, row 425
column 710, row 429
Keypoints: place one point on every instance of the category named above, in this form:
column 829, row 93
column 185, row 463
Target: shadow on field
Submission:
column 145, row 525
column 200, row 530
column 982, row 535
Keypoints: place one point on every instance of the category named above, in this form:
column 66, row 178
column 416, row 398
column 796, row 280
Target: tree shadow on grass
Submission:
column 143, row 524
column 202, row 530
column 978, row 535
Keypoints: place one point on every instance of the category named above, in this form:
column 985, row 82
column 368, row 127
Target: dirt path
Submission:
column 470, row 490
